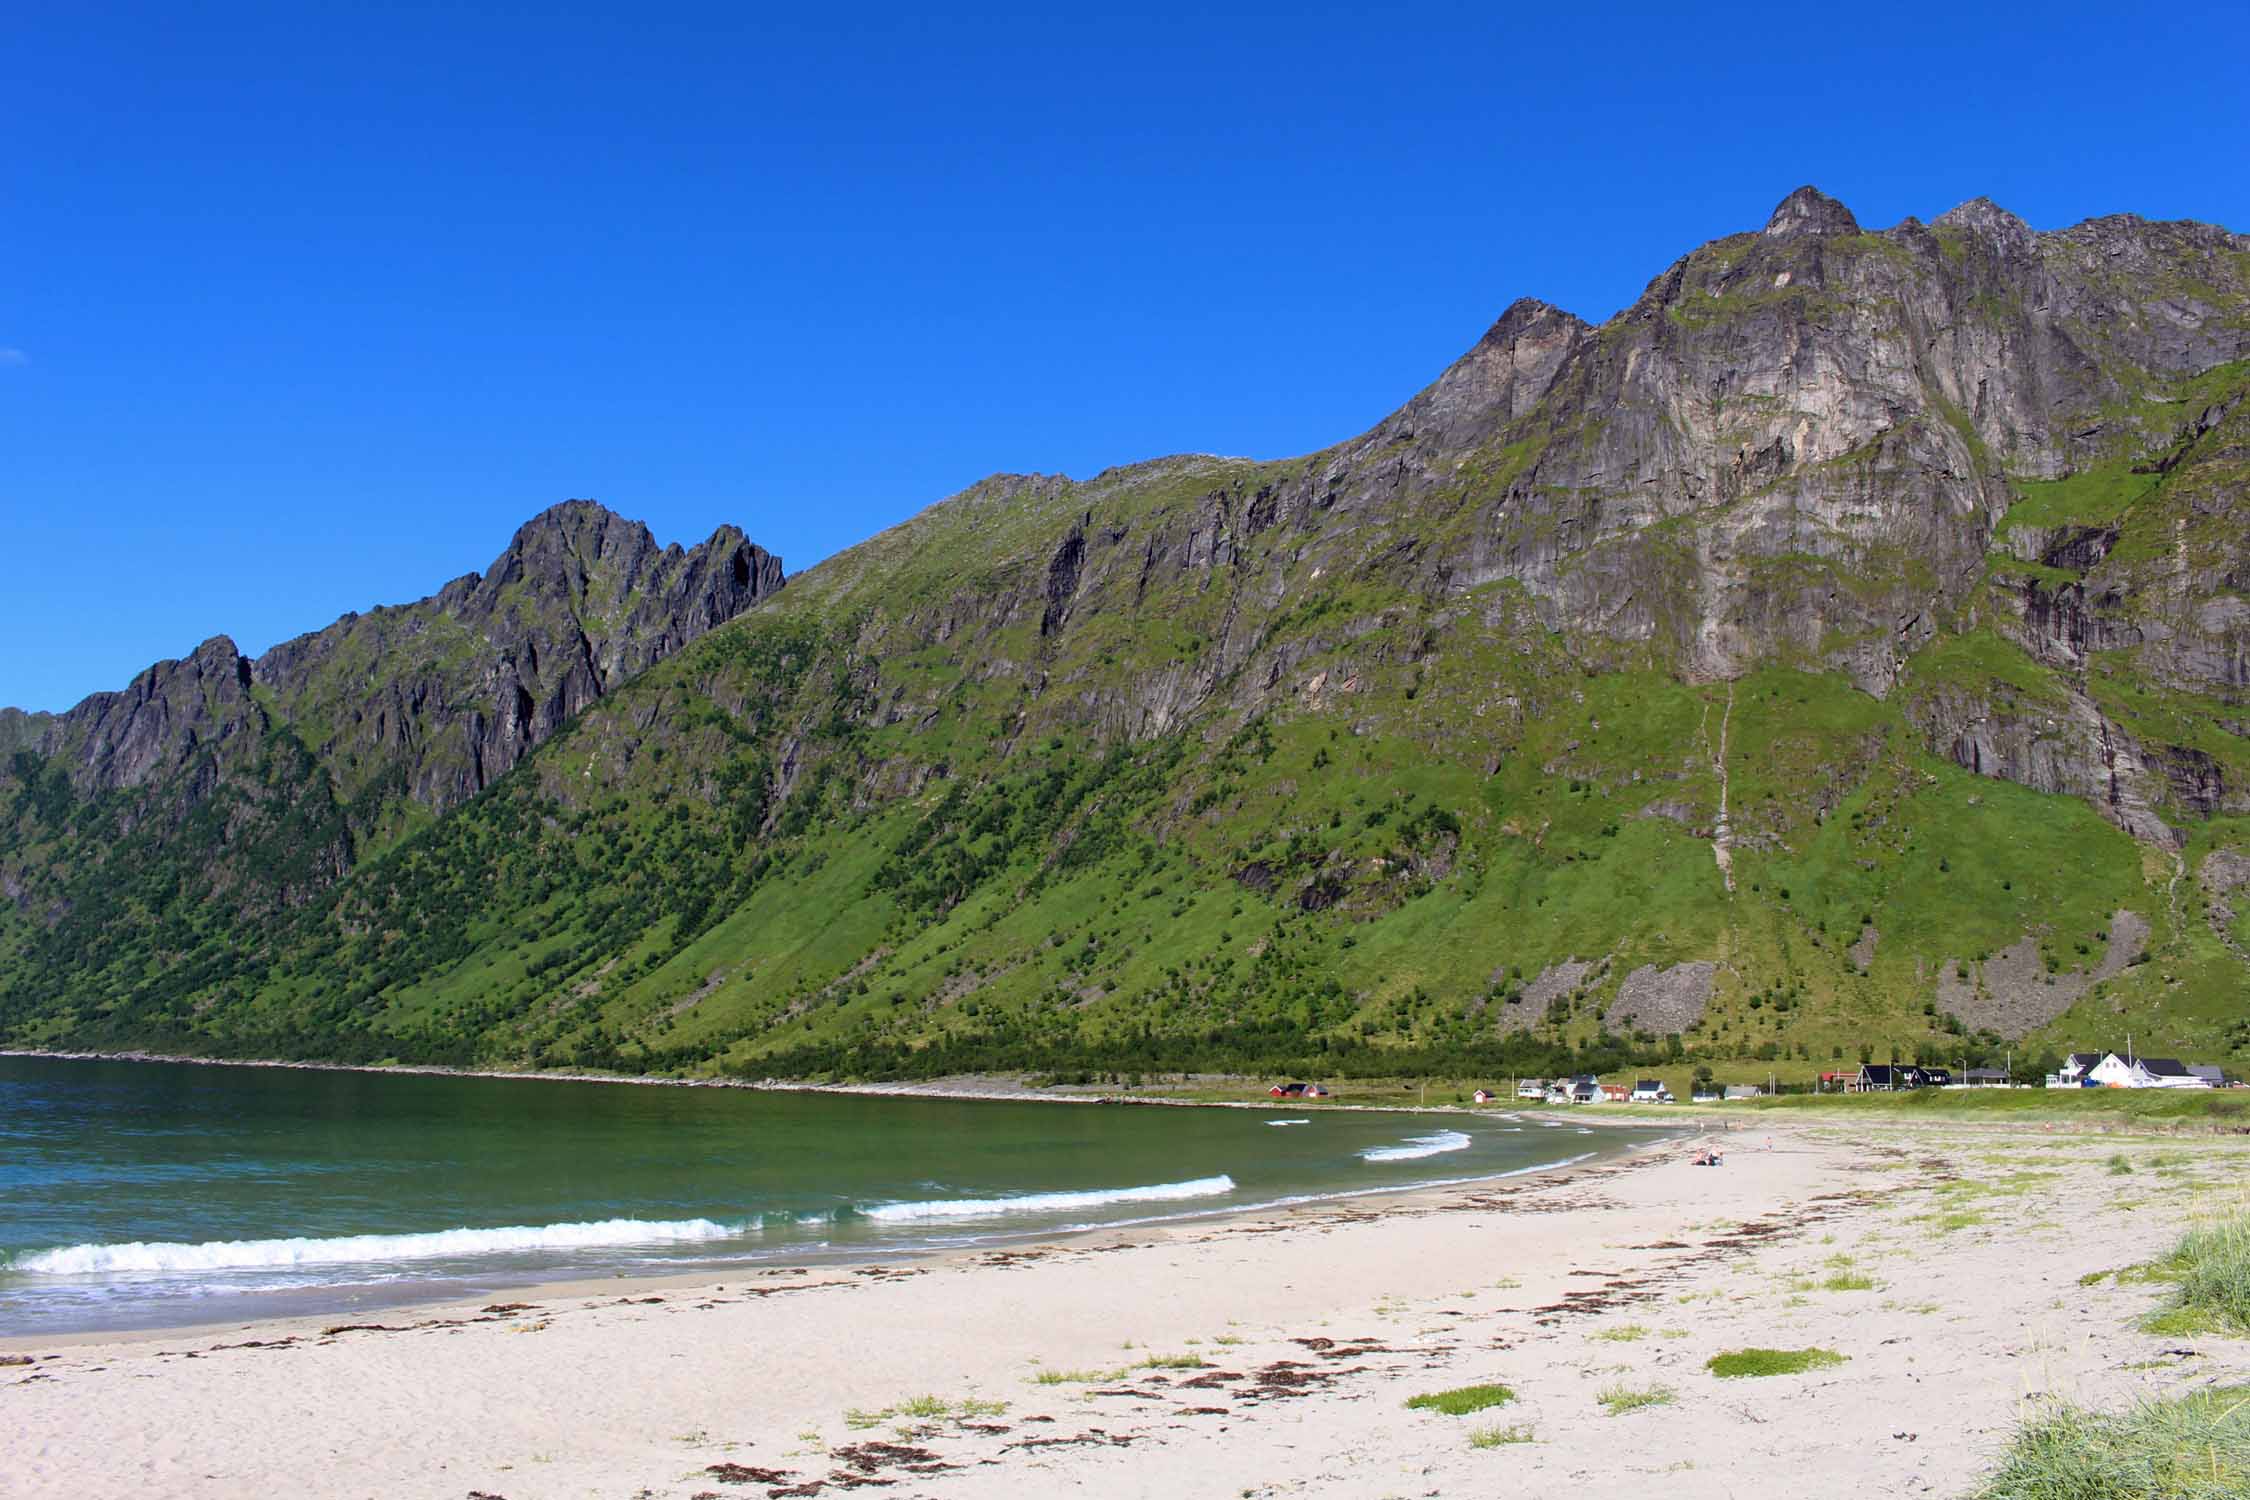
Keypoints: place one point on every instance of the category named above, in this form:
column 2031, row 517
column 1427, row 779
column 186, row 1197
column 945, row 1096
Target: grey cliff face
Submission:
column 1809, row 211
column 1797, row 446
column 443, row 696
column 428, row 701
column 171, row 716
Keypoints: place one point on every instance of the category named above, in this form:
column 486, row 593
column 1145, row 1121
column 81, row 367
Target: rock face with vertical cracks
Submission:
column 439, row 698
column 323, row 741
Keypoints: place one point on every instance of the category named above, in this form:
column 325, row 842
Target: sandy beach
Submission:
column 1267, row 1355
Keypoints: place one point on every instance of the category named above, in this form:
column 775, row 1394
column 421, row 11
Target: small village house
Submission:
column 1878, row 1078
column 2111, row 1070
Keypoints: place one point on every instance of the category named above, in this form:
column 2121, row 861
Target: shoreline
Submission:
column 948, row 1088
column 447, row 1297
column 1273, row 1353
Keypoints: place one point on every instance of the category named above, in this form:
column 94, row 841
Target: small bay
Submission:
column 143, row 1194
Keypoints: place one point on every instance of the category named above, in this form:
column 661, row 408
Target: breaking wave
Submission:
column 360, row 1249
column 1418, row 1146
column 1288, row 1122
column 1032, row 1203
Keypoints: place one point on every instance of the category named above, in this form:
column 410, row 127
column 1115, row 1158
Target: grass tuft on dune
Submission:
column 1741, row 1364
column 1462, row 1400
column 1621, row 1398
column 2193, row 1448
column 2210, row 1274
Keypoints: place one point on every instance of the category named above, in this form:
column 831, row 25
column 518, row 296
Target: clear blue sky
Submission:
column 304, row 307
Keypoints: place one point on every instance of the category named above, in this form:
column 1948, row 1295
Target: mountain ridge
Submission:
column 1874, row 579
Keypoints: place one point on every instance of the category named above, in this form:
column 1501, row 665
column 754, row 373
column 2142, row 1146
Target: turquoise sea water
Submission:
column 153, row 1194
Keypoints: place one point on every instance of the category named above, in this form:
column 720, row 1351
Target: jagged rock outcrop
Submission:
column 437, row 699
column 431, row 700
column 172, row 717
column 1797, row 446
column 1809, row 211
column 216, row 792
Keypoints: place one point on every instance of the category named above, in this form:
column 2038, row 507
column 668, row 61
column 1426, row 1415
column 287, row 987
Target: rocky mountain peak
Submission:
column 433, row 698
column 581, row 600
column 1989, row 221
column 1504, row 376
column 161, row 722
column 1809, row 211
column 1527, row 314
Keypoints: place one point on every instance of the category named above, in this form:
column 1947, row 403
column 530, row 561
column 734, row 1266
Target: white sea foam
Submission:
column 1418, row 1146
column 1032, row 1203
column 361, row 1249
column 1288, row 1122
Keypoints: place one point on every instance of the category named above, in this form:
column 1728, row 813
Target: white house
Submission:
column 2114, row 1072
column 2169, row 1073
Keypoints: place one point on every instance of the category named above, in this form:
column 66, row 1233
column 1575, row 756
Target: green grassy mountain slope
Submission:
column 186, row 814
column 1840, row 648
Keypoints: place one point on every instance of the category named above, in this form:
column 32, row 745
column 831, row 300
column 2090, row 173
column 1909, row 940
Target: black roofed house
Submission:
column 2212, row 1074
column 1879, row 1078
column 2167, row 1073
column 2076, row 1066
column 1985, row 1078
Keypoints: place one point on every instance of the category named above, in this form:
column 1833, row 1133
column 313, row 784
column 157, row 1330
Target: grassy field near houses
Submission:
column 2102, row 1108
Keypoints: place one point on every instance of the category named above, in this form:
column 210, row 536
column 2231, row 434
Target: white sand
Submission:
column 586, row 1396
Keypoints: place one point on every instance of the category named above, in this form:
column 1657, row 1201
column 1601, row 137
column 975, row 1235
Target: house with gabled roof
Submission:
column 2167, row 1073
column 2115, row 1072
